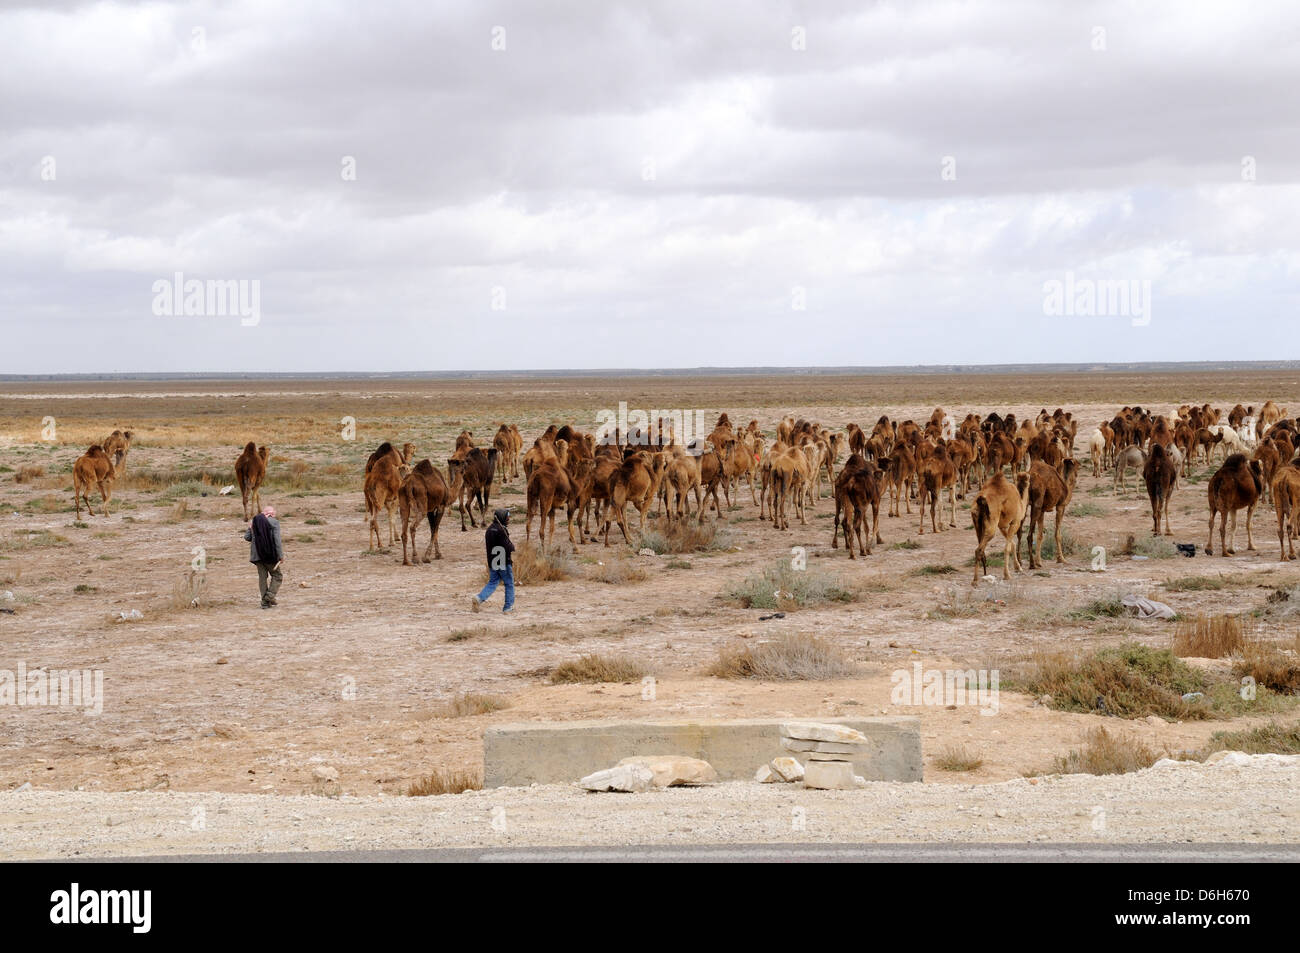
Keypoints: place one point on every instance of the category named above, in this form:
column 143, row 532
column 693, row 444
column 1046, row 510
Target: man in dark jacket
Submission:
column 500, row 569
column 266, row 552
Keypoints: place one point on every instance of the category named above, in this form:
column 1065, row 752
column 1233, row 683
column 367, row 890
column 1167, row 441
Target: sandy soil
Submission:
column 349, row 671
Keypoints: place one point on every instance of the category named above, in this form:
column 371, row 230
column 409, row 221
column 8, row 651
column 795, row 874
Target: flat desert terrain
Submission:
column 357, row 670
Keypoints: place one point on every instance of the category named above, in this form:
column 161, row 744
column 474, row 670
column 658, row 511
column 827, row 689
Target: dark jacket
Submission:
column 264, row 542
column 498, row 537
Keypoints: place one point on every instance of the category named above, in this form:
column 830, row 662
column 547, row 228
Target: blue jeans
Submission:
column 495, row 576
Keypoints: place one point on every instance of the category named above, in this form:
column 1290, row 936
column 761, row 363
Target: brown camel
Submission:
column 504, row 444
column 424, row 494
column 474, row 471
column 938, row 471
column 1000, row 506
column 856, row 489
column 1286, row 500
column 1050, row 490
column 1161, row 476
column 116, row 445
column 789, row 476
column 95, row 468
column 635, row 482
column 1236, row 485
column 382, row 487
column 549, row 488
column 250, row 471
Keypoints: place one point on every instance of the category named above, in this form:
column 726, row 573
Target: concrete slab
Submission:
column 562, row 752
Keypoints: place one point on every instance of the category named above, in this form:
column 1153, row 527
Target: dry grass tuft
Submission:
column 1128, row 681
column 1106, row 753
column 27, row 473
column 1269, row 666
column 533, row 565
column 598, row 668
column 189, row 590
column 676, row 537
column 1271, row 738
column 1214, row 636
column 617, row 572
column 468, row 704
column 798, row 657
column 445, row 781
column 958, row 758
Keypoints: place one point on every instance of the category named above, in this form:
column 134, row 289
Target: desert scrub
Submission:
column 1195, row 584
column 445, row 781
column 598, row 668
column 935, row 569
column 533, row 565
column 1212, row 636
column 1106, row 753
column 1129, row 681
column 1273, row 738
column 958, row 758
column 788, row 658
column 781, row 587
column 677, row 537
column 616, row 572
column 468, row 704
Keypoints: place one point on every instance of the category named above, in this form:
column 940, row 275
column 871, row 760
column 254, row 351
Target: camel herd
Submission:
column 1020, row 471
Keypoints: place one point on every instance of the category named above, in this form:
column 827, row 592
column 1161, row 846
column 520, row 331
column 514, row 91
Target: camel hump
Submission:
column 250, row 447
column 1235, row 462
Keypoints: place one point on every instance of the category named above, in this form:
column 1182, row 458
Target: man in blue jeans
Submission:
column 500, row 569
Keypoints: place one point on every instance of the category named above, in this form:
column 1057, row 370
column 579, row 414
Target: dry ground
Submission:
column 350, row 670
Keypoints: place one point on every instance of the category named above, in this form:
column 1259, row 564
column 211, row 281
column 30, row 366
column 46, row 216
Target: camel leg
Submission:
column 1232, row 536
column 875, row 522
column 104, row 496
column 1009, row 554
column 1250, row 540
column 1209, row 542
column 952, row 505
column 1060, row 514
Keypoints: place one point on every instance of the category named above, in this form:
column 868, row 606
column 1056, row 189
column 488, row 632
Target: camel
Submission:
column 504, row 444
column 1050, row 490
column 635, row 482
column 96, row 468
column 856, row 489
column 1160, row 476
column 1286, row 501
column 474, row 471
column 383, row 484
column 424, row 493
column 1269, row 458
column 1131, row 456
column 712, row 475
column 938, row 471
column 116, row 445
column 789, row 475
column 1235, row 485
column 1268, row 415
column 1097, row 450
column 400, row 460
column 549, row 488
column 1000, row 506
column 899, row 466
column 250, row 471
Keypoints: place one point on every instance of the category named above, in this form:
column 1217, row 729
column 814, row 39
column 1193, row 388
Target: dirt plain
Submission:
column 351, row 669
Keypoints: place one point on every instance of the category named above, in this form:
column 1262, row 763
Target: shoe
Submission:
column 474, row 603
column 266, row 605
column 511, row 609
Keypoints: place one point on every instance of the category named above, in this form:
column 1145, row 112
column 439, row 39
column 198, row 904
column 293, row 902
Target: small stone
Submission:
column 829, row 776
column 646, row 551
column 859, row 781
column 1156, row 720
column 324, row 773
column 765, row 775
column 25, row 786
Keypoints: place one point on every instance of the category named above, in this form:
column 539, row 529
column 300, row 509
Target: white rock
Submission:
column 675, row 770
column 1171, row 763
column 7, row 596
column 324, row 773
column 765, row 775
column 859, row 781
column 788, row 769
column 646, row 551
column 227, row 490
column 631, row 778
column 812, row 731
column 1239, row 759
column 829, row 775
column 1156, row 720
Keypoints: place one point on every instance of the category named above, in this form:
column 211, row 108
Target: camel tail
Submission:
column 980, row 515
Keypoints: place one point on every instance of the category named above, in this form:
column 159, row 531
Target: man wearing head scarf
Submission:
column 266, row 552
column 499, row 548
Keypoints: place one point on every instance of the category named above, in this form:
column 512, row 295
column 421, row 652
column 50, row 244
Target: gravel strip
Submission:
column 1175, row 804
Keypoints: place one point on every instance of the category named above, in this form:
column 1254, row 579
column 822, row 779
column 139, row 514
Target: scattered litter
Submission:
column 1193, row 696
column 646, row 551
column 989, row 578
column 8, row 611
column 126, row 615
column 1187, row 549
column 1148, row 608
column 25, row 786
column 1139, row 559
column 7, row 596
column 774, row 615
column 227, row 490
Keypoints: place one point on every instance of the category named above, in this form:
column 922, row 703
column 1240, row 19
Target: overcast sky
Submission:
column 473, row 185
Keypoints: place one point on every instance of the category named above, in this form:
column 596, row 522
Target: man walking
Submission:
column 266, row 552
column 499, row 548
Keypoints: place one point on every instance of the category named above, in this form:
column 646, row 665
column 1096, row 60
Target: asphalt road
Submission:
column 776, row 853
